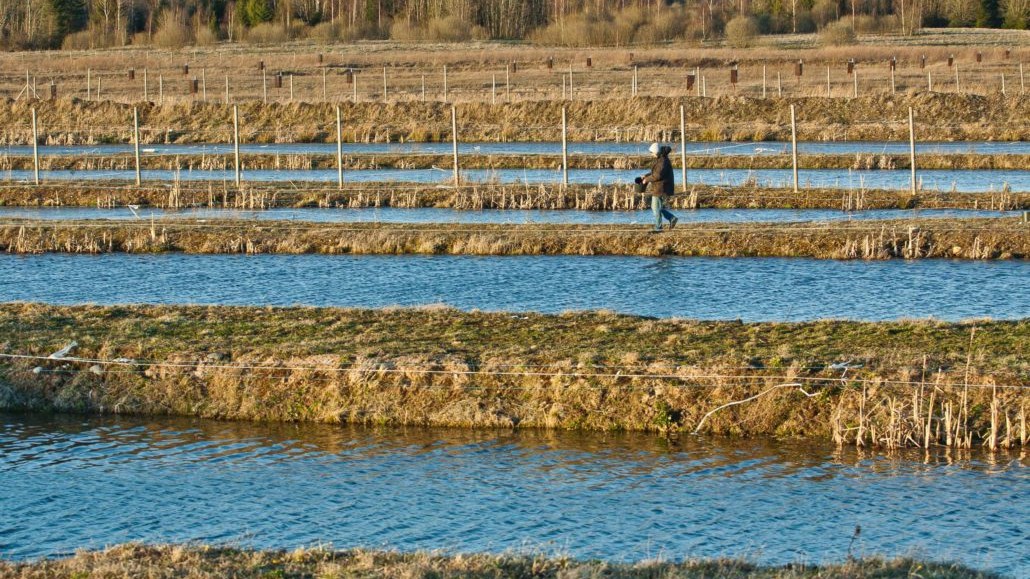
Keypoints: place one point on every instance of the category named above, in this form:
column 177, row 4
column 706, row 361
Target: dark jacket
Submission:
column 661, row 179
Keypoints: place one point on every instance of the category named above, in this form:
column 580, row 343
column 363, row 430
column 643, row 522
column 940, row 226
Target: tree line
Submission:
column 33, row 24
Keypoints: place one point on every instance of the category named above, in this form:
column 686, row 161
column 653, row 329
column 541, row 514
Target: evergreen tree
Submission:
column 69, row 16
column 257, row 11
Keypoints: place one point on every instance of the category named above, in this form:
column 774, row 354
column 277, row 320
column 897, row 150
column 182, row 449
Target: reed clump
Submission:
column 982, row 238
column 890, row 384
column 294, row 162
column 204, row 562
column 257, row 195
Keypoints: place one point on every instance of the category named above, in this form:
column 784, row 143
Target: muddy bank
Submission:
column 911, row 383
column 979, row 238
column 939, row 117
column 481, row 196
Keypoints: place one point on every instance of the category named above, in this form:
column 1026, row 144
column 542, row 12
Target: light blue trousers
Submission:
column 659, row 210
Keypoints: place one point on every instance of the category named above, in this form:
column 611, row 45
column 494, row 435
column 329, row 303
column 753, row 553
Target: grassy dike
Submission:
column 351, row 162
column 939, row 117
column 221, row 194
column 865, row 239
column 909, row 382
column 202, row 562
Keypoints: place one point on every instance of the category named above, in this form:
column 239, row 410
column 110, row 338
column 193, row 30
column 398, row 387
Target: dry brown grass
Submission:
column 427, row 161
column 907, row 385
column 938, row 117
column 207, row 562
column 905, row 239
column 472, row 65
column 481, row 196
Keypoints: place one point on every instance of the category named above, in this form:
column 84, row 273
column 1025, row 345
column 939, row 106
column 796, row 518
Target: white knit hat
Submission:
column 654, row 148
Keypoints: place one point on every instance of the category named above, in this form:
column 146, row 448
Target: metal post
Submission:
column 35, row 146
column 385, row 92
column 160, row 89
column 956, row 79
column 203, row 84
column 1022, row 87
column 264, row 87
column 855, row 77
column 135, row 143
column 325, row 89
column 1003, row 84
column 893, row 88
column 89, row 73
column 146, row 97
column 779, row 85
column 423, row 88
column 912, row 148
column 291, row 88
column 564, row 149
column 236, row 140
column 763, row 81
column 507, row 83
column 697, row 79
column 683, row 145
column 929, row 82
column 226, row 89
column 827, row 82
column 445, row 83
column 354, row 87
column 454, row 141
column 794, row 145
column 572, row 94
column 493, row 90
column 339, row 149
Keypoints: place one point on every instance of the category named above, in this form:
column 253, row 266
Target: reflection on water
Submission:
column 435, row 215
column 931, row 179
column 76, row 482
column 750, row 289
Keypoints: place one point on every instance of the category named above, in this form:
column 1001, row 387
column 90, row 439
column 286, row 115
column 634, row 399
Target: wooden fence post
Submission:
column 683, row 145
column 779, row 85
column 236, row 141
column 264, row 86
column 35, row 147
column 564, row 148
column 339, row 149
column 794, row 145
column 454, row 141
column 135, row 143
column 912, row 148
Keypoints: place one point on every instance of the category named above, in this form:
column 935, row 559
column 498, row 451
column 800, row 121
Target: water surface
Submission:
column 930, row 179
column 514, row 216
column 74, row 483
column 750, row 289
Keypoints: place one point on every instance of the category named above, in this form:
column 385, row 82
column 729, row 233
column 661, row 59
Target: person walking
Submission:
column 660, row 181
